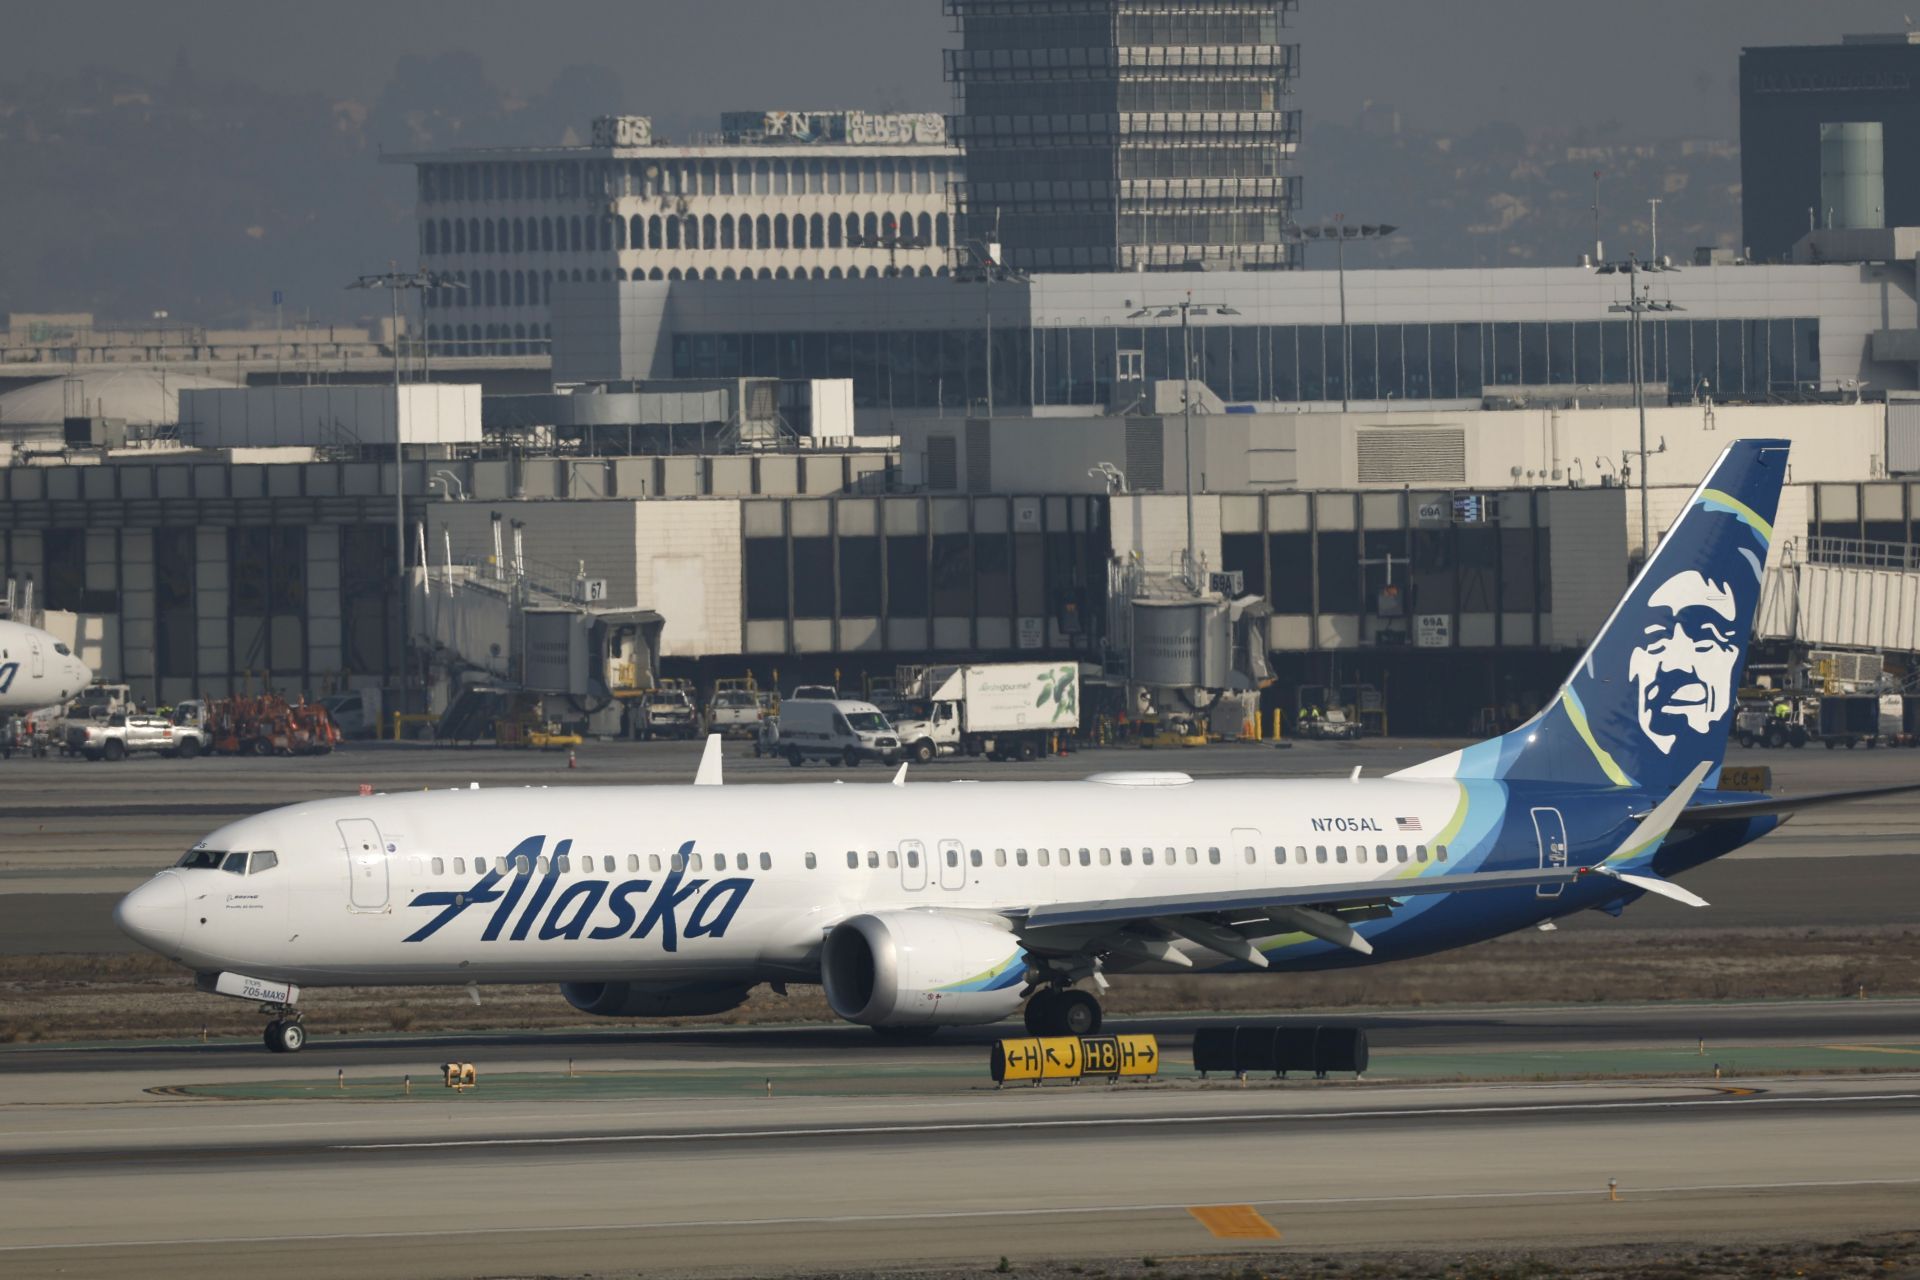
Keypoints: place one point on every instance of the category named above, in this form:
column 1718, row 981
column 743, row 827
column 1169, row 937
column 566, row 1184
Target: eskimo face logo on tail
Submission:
column 1684, row 666
column 524, row 906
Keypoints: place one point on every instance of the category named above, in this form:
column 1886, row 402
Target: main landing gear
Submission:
column 285, row 1034
column 1056, row 1011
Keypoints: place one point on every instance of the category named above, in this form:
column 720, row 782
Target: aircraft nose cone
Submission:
column 155, row 914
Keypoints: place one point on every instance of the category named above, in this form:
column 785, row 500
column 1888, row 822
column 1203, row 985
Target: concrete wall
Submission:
column 687, row 561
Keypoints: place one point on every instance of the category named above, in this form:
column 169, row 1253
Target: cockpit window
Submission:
column 201, row 859
column 62, row 649
column 263, row 860
column 236, row 864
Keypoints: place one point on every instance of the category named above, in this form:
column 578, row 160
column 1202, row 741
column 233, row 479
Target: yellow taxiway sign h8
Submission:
column 1074, row 1058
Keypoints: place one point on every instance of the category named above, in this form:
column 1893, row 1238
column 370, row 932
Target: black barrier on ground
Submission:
column 1246, row 1048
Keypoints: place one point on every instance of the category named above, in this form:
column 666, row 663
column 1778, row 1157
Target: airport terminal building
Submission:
column 1463, row 522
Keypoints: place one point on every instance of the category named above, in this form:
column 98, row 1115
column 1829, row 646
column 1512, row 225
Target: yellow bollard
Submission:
column 1613, row 1189
column 343, row 1077
column 769, row 1086
column 406, row 1085
column 1703, row 1046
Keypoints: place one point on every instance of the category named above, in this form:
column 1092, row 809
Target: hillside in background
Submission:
column 201, row 194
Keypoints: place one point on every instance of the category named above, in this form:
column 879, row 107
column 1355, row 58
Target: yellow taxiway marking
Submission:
column 1234, row 1222
column 1869, row 1048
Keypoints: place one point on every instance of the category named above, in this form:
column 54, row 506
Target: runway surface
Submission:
column 439, row 1187
column 1493, row 1028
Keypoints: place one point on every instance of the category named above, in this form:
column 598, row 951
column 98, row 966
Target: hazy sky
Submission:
column 1664, row 66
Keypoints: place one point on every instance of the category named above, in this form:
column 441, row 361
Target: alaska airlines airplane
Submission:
column 36, row 670
column 918, row 906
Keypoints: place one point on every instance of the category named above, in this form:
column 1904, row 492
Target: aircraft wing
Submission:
column 1352, row 893
column 1701, row 814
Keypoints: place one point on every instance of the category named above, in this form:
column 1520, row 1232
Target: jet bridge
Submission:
column 504, row 627
column 1837, row 593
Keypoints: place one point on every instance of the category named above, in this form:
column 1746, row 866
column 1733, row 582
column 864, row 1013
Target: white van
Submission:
column 841, row 729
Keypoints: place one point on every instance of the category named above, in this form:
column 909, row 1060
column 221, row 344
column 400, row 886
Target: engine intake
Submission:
column 922, row 968
column 655, row 999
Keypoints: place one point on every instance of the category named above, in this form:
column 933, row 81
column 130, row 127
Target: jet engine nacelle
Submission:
column 922, row 968
column 654, row 999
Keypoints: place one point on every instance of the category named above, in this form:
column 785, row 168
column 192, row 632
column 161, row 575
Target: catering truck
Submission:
column 1004, row 711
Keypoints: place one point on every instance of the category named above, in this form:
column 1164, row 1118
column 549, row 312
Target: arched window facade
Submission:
column 762, row 229
column 653, row 232
column 708, row 228
column 673, row 233
column 780, row 240
column 726, row 231
column 637, row 232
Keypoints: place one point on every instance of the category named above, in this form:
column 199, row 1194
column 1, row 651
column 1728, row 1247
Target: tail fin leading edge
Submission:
column 1653, row 696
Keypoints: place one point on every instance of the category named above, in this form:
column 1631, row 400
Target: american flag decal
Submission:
column 1408, row 824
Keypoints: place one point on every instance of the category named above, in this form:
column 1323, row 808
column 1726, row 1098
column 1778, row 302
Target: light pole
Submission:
column 987, row 255
column 1187, row 309
column 1636, row 306
column 393, row 281
column 1340, row 231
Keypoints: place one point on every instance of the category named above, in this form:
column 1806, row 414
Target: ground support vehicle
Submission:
column 1004, row 711
column 1758, row 724
column 734, row 710
column 122, row 735
column 1330, row 726
column 1849, row 720
column 94, row 706
column 843, row 730
column 667, row 712
column 267, row 724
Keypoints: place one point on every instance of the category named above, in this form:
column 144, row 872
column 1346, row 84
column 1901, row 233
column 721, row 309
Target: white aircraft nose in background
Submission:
column 155, row 914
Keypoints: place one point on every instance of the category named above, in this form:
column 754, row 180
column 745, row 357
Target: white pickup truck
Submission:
column 121, row 734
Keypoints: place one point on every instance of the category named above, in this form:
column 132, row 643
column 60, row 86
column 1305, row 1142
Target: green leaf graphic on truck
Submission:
column 1060, row 686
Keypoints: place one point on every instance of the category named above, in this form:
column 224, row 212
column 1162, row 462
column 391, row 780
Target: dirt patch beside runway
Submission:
column 100, row 997
column 1894, row 1256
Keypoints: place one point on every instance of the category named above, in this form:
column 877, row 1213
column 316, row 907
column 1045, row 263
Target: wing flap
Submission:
column 1129, row 910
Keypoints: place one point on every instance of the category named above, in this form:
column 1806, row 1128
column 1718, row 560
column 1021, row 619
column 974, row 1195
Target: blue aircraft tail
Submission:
column 1653, row 696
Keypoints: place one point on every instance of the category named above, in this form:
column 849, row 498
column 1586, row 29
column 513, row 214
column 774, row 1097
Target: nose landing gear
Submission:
column 286, row 1033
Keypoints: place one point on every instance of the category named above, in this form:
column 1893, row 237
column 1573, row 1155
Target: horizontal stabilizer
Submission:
column 1653, row 884
column 1770, row 805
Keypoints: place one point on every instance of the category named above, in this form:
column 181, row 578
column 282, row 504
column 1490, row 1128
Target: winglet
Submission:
column 709, row 775
column 900, row 778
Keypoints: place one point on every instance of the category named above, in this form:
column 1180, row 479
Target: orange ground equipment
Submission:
column 269, row 725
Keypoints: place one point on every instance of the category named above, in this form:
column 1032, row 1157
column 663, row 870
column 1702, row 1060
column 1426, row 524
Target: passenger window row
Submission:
column 873, row 859
column 590, row 864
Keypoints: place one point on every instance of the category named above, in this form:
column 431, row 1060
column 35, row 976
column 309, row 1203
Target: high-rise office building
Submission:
column 1121, row 134
column 1825, row 133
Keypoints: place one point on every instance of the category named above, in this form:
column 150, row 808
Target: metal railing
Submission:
column 1853, row 553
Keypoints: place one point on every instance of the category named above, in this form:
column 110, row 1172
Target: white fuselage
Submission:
column 740, row 883
column 36, row 670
